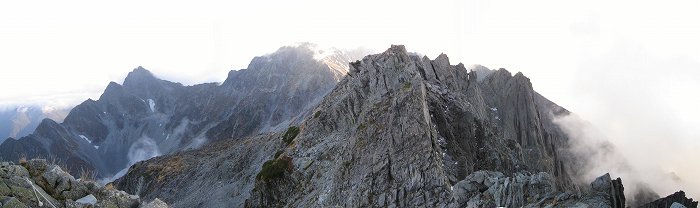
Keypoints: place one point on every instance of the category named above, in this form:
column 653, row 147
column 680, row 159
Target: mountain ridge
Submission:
column 167, row 116
column 398, row 130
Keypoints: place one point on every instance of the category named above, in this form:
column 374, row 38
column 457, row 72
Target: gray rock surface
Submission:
column 36, row 183
column 493, row 189
column 220, row 174
column 156, row 203
column 401, row 130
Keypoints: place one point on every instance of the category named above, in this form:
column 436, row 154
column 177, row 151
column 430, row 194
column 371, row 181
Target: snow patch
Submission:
column 85, row 138
column 494, row 109
column 152, row 104
column 96, row 147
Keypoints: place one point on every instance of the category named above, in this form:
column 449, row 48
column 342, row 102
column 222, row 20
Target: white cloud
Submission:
column 629, row 67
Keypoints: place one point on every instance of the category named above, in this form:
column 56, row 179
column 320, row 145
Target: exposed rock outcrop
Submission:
column 677, row 199
column 493, row 189
column 36, row 183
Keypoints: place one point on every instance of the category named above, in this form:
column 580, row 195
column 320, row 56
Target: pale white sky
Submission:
column 630, row 67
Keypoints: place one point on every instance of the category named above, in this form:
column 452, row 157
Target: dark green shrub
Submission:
column 318, row 113
column 406, row 85
column 291, row 133
column 361, row 127
column 278, row 153
column 274, row 168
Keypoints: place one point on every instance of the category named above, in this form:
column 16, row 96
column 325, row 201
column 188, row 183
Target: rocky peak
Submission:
column 113, row 90
column 47, row 127
column 481, row 70
column 138, row 76
column 612, row 189
column 288, row 65
column 383, row 73
column 141, row 83
column 522, row 80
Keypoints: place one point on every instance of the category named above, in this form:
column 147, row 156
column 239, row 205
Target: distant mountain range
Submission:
column 303, row 128
column 20, row 121
column 146, row 116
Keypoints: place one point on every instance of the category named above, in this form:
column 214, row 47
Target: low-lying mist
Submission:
column 662, row 168
column 143, row 149
column 641, row 118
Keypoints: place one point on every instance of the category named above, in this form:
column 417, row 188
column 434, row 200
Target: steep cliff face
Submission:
column 146, row 117
column 402, row 130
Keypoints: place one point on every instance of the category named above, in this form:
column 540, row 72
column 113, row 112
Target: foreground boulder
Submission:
column 37, row 183
column 494, row 189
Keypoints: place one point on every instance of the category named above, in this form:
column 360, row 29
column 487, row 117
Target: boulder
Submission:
column 11, row 202
column 156, row 203
column 678, row 199
column 40, row 184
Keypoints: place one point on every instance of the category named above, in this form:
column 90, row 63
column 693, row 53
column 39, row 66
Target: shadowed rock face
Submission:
column 220, row 174
column 147, row 116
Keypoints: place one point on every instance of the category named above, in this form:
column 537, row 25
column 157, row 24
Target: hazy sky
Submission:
column 632, row 68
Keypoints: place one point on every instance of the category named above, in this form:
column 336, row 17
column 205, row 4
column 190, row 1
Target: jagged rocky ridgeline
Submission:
column 403, row 130
column 36, row 183
column 399, row 130
column 146, row 116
